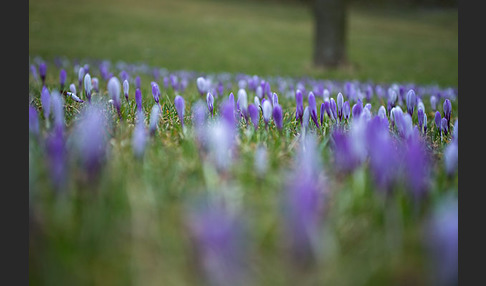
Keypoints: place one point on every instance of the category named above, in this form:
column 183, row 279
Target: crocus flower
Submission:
column 57, row 105
column 368, row 106
column 313, row 108
column 254, row 113
column 346, row 110
column 33, row 71
column 416, row 167
column 56, row 155
column 443, row 126
column 421, row 117
column 345, row 158
column 81, row 73
column 139, row 137
column 323, row 109
column 259, row 91
column 382, row 112
column 72, row 88
column 340, row 103
column 180, row 106
column 91, row 139
column 137, row 82
column 126, row 87
column 257, row 101
column 383, row 156
column 138, row 98
column 442, row 236
column 274, row 99
column 87, row 86
column 95, row 84
column 327, row 107
column 202, row 85
column 438, row 122
column 433, row 102
column 304, row 204
column 227, row 112
column 154, row 119
column 299, row 110
column 62, row 78
column 46, row 102
column 411, row 99
column 447, row 111
column 306, row 118
column 333, row 108
column 219, row 239
column 266, row 111
column 114, row 89
column 357, row 109
column 221, row 138
column 42, row 72
column 155, row 91
column 278, row 116
column 243, row 102
column 210, row 102
column 392, row 98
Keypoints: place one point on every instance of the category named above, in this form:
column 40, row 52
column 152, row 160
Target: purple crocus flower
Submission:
column 155, row 91
column 433, row 102
column 411, row 99
column 256, row 100
column 340, row 103
column 202, row 85
column 91, row 139
column 227, row 112
column 447, row 111
column 442, row 236
column 87, row 86
column 46, row 102
column 126, row 87
column 278, row 116
column 33, row 71
column 259, row 91
column 306, row 118
column 345, row 158
column 62, row 78
column 219, row 239
column 210, row 102
column 138, row 98
column 33, row 120
column 323, row 109
column 421, row 117
column 243, row 103
column 81, row 73
column 346, row 110
column 154, row 119
column 299, row 110
column 416, row 166
column 180, row 106
column 95, row 83
column 443, row 126
column 438, row 122
column 313, row 108
column 383, row 156
column 357, row 109
column 254, row 113
column 42, row 72
column 382, row 112
column 266, row 111
column 333, row 108
column 56, row 154
column 327, row 108
column 114, row 89
column 304, row 204
column 274, row 98
column 139, row 137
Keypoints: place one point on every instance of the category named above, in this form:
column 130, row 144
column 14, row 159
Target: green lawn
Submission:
column 389, row 45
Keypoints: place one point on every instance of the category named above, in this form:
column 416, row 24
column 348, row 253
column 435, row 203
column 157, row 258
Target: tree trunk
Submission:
column 330, row 33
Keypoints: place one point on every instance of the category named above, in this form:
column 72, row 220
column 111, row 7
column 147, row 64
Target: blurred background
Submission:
column 385, row 40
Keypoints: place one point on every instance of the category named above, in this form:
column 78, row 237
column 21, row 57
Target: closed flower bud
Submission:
column 87, row 86
column 210, row 102
column 267, row 111
column 126, row 87
column 180, row 106
column 254, row 115
column 278, row 116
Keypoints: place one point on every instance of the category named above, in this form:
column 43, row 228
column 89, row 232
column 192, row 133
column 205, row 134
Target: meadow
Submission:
column 329, row 191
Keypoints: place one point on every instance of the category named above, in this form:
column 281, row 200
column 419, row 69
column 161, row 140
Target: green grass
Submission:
column 384, row 45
